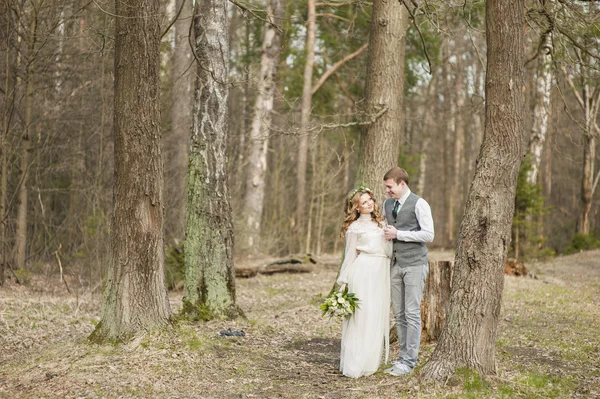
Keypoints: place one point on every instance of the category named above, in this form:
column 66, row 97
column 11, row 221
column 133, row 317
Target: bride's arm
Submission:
column 350, row 254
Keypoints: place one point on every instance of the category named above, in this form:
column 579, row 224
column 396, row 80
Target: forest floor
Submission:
column 548, row 345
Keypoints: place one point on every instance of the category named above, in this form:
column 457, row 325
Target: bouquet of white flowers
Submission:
column 340, row 304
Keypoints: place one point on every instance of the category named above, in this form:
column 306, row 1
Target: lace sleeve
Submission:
column 349, row 255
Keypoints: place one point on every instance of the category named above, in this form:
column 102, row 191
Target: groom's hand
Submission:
column 390, row 233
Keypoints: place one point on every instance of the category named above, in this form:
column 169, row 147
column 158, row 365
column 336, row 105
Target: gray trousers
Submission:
column 407, row 284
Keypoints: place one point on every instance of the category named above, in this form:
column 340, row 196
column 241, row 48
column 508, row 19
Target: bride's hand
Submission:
column 343, row 287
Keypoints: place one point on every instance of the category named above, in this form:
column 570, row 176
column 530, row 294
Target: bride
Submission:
column 366, row 272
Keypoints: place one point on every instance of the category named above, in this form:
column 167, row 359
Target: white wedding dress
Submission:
column 366, row 270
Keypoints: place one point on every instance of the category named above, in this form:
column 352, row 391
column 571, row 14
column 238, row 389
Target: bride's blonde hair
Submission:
column 352, row 211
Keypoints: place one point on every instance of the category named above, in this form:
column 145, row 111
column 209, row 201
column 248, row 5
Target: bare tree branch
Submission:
column 343, row 88
column 572, row 86
column 253, row 12
column 343, row 3
column 174, row 19
column 336, row 66
column 412, row 18
column 329, row 15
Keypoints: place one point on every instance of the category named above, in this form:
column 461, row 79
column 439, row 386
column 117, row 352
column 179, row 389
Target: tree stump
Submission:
column 436, row 298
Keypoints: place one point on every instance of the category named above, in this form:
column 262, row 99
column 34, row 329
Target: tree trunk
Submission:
column 135, row 297
column 9, row 103
column 380, row 141
column 302, row 162
column 455, row 198
column 209, row 289
column 541, row 110
column 428, row 124
column 469, row 335
column 261, row 128
column 587, row 180
column 589, row 105
column 449, row 134
column 311, row 199
column 26, row 148
column 590, row 110
column 181, row 122
column 436, row 298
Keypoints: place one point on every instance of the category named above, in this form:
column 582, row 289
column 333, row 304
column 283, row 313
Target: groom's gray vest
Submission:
column 406, row 254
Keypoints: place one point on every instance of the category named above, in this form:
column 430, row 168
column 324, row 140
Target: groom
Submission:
column 409, row 226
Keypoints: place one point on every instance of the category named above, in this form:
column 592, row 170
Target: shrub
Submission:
column 582, row 242
column 174, row 265
column 23, row 276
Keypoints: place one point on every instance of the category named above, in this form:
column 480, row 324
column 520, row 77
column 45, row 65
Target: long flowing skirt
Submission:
column 365, row 335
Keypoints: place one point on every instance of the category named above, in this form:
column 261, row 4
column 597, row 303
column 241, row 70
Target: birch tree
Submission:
column 302, row 162
column 468, row 338
column 209, row 287
column 541, row 110
column 261, row 126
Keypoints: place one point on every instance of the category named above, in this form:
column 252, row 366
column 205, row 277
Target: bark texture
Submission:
column 436, row 298
column 380, row 141
column 209, row 288
column 261, row 128
column 469, row 336
column 135, row 297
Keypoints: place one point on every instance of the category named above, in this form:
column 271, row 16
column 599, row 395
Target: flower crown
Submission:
column 360, row 189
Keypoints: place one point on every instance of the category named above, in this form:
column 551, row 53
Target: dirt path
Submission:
column 548, row 345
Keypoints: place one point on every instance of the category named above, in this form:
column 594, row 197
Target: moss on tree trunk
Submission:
column 209, row 288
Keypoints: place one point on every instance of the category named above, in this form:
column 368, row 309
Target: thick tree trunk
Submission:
column 469, row 336
column 135, row 297
column 178, row 142
column 26, row 148
column 380, row 141
column 302, row 161
column 261, row 129
column 541, row 110
column 209, row 289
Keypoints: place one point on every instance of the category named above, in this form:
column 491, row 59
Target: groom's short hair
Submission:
column 396, row 173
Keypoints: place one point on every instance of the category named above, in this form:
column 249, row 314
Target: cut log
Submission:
column 515, row 268
column 294, row 264
column 245, row 272
column 286, row 267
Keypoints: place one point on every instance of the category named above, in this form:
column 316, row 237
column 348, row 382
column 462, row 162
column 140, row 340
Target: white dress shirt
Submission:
column 423, row 214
